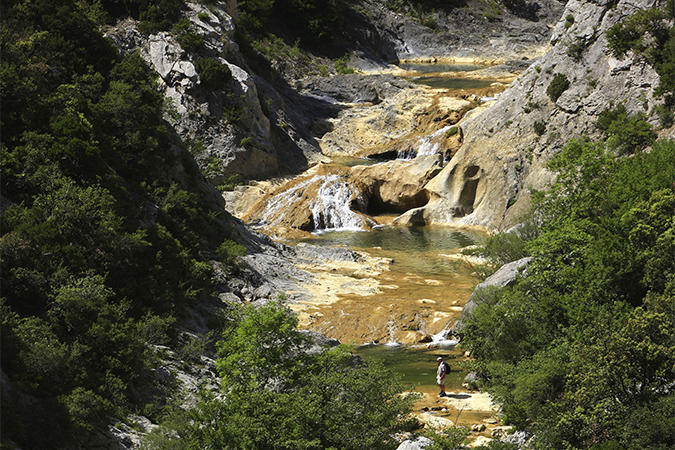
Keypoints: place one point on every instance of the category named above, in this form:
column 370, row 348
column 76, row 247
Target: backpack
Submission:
column 446, row 367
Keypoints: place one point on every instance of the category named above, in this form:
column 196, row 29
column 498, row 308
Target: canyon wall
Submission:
column 489, row 181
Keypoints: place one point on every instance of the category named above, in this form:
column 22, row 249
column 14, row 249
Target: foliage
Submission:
column 278, row 396
column 186, row 36
column 101, row 249
column 447, row 439
column 558, row 85
column 625, row 133
column 650, row 33
column 539, row 128
column 313, row 22
column 583, row 345
column 213, row 75
column 341, row 65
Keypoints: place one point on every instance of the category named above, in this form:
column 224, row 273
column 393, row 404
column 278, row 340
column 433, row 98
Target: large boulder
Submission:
column 505, row 276
column 420, row 443
column 398, row 186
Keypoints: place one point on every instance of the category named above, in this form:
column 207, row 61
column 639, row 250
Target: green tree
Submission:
column 277, row 395
column 558, row 85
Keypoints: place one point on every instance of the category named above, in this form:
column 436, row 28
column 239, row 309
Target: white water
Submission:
column 442, row 340
column 331, row 209
column 285, row 198
column 392, row 330
column 425, row 146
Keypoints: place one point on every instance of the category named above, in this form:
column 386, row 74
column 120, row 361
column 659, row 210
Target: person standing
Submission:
column 440, row 375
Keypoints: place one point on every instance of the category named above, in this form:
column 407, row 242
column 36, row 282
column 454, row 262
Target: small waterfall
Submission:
column 442, row 338
column 428, row 146
column 331, row 207
column 279, row 202
column 406, row 155
column 392, row 330
column 425, row 146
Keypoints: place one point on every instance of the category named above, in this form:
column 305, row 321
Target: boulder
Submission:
column 505, row 276
column 420, row 443
column 397, row 186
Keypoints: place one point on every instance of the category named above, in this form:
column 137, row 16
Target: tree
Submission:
column 276, row 395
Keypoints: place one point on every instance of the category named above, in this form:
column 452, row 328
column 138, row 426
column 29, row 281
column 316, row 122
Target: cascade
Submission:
column 442, row 338
column 331, row 207
column 392, row 330
column 425, row 145
column 279, row 203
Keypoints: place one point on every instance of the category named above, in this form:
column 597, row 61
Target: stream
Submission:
column 400, row 304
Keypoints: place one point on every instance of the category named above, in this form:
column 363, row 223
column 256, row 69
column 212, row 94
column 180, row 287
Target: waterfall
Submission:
column 280, row 201
column 392, row 329
column 442, row 340
column 425, row 146
column 331, row 207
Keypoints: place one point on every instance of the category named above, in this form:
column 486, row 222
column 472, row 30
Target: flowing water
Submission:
column 430, row 290
column 405, row 320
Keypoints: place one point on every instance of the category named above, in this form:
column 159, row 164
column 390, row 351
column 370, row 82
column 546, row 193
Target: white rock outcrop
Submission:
column 488, row 182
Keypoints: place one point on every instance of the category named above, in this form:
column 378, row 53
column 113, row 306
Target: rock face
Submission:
column 505, row 276
column 488, row 182
column 468, row 31
column 228, row 128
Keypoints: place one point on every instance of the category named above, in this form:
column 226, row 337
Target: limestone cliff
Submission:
column 488, row 182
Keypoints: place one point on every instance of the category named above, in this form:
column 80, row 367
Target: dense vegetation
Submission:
column 106, row 244
column 581, row 350
column 582, row 347
column 102, row 249
column 277, row 395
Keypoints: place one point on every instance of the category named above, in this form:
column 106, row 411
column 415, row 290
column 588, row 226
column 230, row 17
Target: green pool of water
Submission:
column 415, row 249
column 451, row 83
column 431, row 68
column 417, row 365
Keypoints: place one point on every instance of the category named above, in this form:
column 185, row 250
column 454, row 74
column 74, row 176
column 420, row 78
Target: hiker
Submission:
column 440, row 376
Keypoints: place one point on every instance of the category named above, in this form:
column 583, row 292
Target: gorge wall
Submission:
column 254, row 128
column 490, row 179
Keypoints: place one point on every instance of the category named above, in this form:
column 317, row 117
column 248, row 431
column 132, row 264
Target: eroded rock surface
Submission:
column 502, row 158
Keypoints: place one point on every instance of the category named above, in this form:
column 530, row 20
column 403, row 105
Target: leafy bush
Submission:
column 213, row 75
column 186, row 36
column 452, row 131
column 626, row 134
column 100, row 251
column 558, row 85
column 450, row 438
column 539, row 128
column 599, row 268
column 229, row 251
column 320, row 400
column 569, row 21
column 341, row 65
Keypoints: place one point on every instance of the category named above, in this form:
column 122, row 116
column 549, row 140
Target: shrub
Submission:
column 539, row 128
column 213, row 74
column 229, row 251
column 452, row 131
column 341, row 65
column 626, row 134
column 558, row 85
column 665, row 115
column 190, row 40
column 569, row 21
